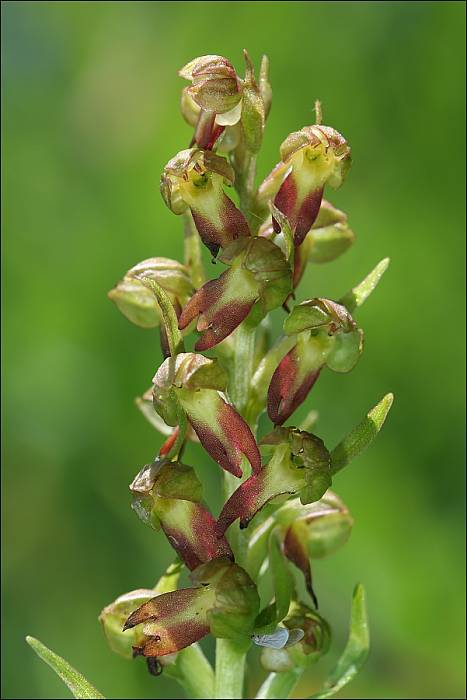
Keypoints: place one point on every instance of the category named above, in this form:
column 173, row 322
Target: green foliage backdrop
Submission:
column 90, row 116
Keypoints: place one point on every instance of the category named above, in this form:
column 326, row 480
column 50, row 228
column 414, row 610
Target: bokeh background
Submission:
column 90, row 116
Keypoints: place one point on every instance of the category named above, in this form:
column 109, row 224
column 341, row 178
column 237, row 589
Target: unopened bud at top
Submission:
column 215, row 86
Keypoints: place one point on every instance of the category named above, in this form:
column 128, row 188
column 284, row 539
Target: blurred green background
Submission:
column 90, row 116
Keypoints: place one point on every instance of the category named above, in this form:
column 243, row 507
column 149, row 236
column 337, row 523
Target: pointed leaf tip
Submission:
column 77, row 684
column 359, row 294
column 356, row 651
column 362, row 435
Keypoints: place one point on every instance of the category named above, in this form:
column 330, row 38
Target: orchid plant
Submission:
column 280, row 512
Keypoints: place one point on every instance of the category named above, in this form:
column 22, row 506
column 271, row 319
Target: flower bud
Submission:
column 194, row 179
column 324, row 528
column 169, row 494
column 253, row 110
column 310, row 648
column 194, row 382
column 137, row 303
column 188, row 107
column 258, row 274
column 113, row 617
column 215, row 86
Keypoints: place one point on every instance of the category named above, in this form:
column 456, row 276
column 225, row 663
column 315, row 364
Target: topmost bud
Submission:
column 215, row 84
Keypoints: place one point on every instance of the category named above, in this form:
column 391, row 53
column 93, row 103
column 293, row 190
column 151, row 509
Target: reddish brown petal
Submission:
column 235, row 440
column 196, row 541
column 297, row 552
column 233, row 225
column 205, row 297
column 243, row 504
column 306, row 215
column 287, row 389
column 174, row 621
column 247, row 500
column 286, row 201
column 216, row 320
column 215, row 447
column 239, row 435
column 223, row 323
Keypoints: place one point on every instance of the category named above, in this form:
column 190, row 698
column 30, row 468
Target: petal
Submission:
column 217, row 219
column 221, row 305
column 278, row 478
column 191, row 530
column 290, row 385
column 296, row 550
column 221, row 430
column 300, row 207
column 173, row 620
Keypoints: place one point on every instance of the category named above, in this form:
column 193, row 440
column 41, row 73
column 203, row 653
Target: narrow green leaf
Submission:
column 279, row 685
column 192, row 252
column 356, row 651
column 362, row 291
column 361, row 436
column 78, row 685
column 169, row 316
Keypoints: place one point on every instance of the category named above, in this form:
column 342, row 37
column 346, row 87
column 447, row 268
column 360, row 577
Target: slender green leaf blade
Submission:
column 361, row 436
column 169, row 316
column 356, row 651
column 362, row 291
column 78, row 685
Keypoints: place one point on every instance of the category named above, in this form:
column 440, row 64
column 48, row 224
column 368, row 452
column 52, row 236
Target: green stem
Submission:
column 193, row 672
column 192, row 253
column 279, row 685
column 230, row 668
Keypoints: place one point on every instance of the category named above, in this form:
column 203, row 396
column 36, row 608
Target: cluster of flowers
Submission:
column 285, row 508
